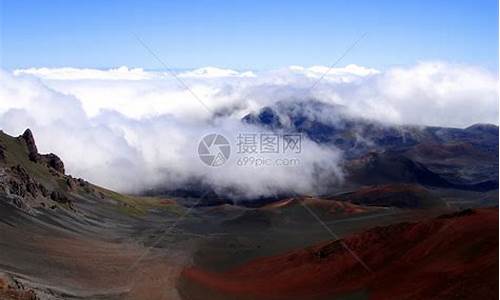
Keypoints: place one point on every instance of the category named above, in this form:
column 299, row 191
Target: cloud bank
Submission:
column 131, row 129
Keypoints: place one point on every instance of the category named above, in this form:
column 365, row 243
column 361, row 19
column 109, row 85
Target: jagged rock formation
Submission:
column 28, row 138
column 29, row 179
column 51, row 160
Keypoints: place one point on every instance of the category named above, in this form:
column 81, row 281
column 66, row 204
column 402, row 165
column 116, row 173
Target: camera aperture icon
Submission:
column 214, row 150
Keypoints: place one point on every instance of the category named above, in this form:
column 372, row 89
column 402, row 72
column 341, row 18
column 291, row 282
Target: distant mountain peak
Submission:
column 483, row 127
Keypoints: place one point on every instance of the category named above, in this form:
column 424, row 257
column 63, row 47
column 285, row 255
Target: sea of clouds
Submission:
column 133, row 130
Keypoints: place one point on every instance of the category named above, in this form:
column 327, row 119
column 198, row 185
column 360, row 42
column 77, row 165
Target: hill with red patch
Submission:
column 450, row 257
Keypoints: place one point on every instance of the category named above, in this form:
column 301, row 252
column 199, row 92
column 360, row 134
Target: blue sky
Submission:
column 246, row 34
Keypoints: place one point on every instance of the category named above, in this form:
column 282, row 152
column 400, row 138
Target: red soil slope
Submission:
column 451, row 257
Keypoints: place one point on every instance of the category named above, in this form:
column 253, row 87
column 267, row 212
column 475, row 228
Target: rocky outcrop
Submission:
column 59, row 197
column 35, row 180
column 21, row 188
column 28, row 138
column 2, row 153
column 50, row 160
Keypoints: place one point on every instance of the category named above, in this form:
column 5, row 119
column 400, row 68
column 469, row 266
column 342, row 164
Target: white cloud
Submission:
column 342, row 74
column 432, row 93
column 125, row 73
column 212, row 72
column 159, row 150
column 121, row 73
column 131, row 129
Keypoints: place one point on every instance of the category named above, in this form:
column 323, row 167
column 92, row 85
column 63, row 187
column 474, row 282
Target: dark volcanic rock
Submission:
column 266, row 117
column 29, row 179
column 30, row 144
column 53, row 161
column 17, row 188
column 23, row 185
column 59, row 197
column 50, row 160
column 2, row 153
column 20, row 172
